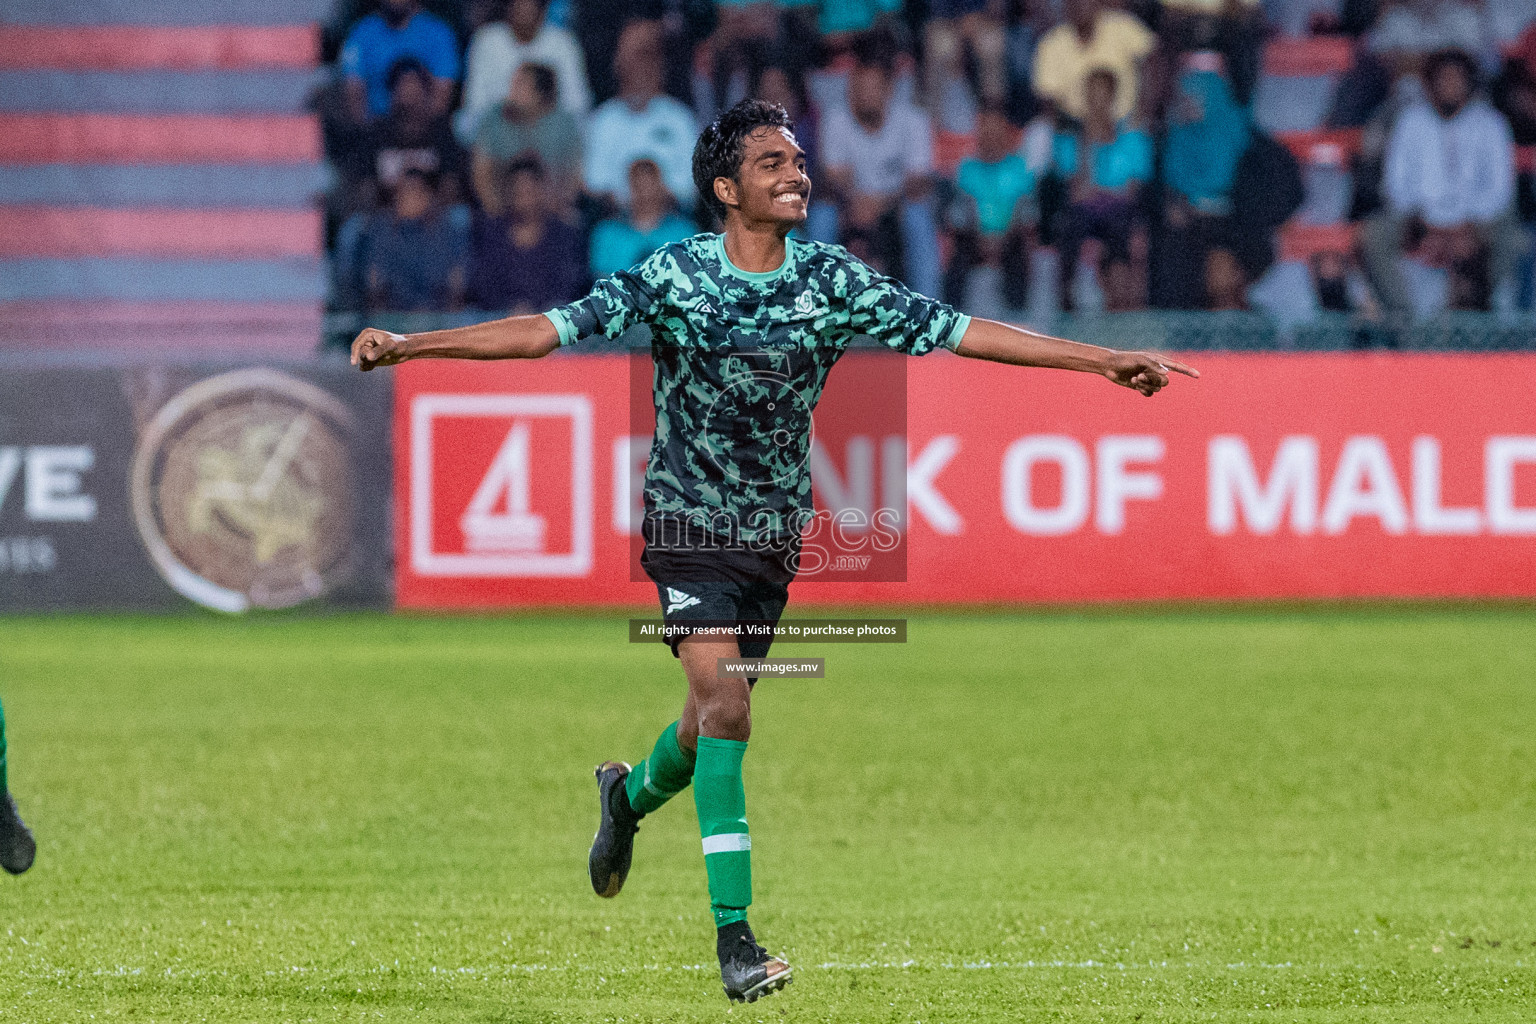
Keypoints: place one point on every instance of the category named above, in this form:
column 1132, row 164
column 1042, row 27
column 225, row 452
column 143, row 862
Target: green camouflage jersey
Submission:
column 740, row 362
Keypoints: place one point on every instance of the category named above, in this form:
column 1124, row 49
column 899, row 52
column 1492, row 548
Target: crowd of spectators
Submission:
column 1083, row 154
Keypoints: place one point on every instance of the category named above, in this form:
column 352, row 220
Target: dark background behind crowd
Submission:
column 1019, row 158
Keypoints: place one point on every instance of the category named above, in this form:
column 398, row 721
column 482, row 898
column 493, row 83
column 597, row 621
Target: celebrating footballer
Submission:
column 756, row 313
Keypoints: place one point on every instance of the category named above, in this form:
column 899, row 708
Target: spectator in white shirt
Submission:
column 1385, row 76
column 1449, row 186
column 640, row 122
column 1410, row 32
column 500, row 47
column 877, row 160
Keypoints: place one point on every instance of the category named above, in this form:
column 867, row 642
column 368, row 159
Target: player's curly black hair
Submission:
column 718, row 153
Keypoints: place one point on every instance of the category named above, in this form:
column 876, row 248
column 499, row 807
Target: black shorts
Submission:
column 704, row 582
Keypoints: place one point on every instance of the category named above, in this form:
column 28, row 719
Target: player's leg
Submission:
column 626, row 795
column 17, row 848
column 717, row 722
column 662, row 775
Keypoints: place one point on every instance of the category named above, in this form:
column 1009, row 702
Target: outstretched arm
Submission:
column 516, row 337
column 1146, row 372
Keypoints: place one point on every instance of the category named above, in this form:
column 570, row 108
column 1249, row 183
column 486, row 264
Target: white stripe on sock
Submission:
column 647, row 783
column 653, row 790
column 730, row 842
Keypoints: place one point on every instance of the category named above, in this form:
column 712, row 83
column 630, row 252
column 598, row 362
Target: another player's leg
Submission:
column 17, row 848
column 626, row 795
column 718, row 723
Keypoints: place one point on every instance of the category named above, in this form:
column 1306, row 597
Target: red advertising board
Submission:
column 1273, row 476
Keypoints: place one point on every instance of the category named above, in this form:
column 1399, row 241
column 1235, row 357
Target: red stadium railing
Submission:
column 64, row 231
column 158, row 138
column 141, row 47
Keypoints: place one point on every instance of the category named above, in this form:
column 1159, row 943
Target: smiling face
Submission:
column 771, row 186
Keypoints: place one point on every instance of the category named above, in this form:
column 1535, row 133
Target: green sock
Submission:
column 722, row 806
column 3, row 785
column 661, row 776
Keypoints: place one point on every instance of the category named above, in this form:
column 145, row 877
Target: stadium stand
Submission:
column 1297, row 83
column 158, row 177
column 169, row 173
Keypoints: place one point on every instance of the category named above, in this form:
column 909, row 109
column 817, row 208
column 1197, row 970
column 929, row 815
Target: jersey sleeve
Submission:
column 616, row 302
column 895, row 316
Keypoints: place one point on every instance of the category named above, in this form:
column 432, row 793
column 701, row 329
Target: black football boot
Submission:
column 614, row 844
column 746, row 969
column 17, row 847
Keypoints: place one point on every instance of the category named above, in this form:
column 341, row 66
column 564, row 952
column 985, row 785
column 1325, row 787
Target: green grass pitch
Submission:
column 1283, row 815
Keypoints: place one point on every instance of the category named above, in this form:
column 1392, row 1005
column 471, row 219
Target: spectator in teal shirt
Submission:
column 995, row 210
column 997, row 180
column 1207, row 135
column 1105, row 164
column 849, row 17
column 651, row 222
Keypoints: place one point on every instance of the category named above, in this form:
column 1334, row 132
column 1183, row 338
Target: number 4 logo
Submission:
column 516, row 529
column 510, row 543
